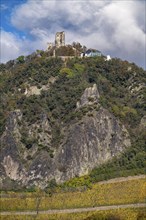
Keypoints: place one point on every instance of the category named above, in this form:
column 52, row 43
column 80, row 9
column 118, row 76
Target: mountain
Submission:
column 65, row 119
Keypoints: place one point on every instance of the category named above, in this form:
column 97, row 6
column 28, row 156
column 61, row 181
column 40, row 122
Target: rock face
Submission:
column 90, row 96
column 87, row 143
column 143, row 123
column 96, row 140
column 11, row 164
column 34, row 90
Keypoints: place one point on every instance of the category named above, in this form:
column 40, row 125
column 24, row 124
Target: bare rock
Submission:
column 93, row 142
column 90, row 96
column 143, row 122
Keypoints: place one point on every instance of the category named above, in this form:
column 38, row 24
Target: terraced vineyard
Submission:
column 118, row 214
column 126, row 192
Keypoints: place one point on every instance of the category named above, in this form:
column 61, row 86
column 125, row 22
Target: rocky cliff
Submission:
column 87, row 143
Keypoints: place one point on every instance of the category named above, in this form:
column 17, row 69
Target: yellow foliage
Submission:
column 67, row 71
column 124, row 214
column 132, row 191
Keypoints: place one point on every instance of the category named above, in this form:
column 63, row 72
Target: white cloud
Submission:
column 127, row 37
column 115, row 27
column 10, row 46
column 13, row 46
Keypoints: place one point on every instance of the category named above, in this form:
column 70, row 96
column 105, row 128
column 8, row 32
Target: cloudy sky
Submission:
column 116, row 27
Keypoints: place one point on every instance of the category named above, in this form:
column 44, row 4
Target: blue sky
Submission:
column 116, row 27
column 7, row 7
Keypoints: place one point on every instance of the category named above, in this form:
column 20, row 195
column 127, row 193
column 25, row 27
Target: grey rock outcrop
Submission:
column 143, row 123
column 87, row 143
column 10, row 155
column 91, row 143
column 90, row 96
column 34, row 90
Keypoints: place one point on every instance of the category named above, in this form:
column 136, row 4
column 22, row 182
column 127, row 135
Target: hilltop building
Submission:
column 60, row 39
column 91, row 53
column 50, row 46
column 59, row 49
column 108, row 58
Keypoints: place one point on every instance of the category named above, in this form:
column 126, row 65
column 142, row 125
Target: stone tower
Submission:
column 60, row 39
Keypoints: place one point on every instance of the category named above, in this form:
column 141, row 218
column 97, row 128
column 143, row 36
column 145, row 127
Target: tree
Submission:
column 21, row 59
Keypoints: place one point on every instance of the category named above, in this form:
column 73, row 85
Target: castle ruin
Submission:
column 50, row 45
column 60, row 39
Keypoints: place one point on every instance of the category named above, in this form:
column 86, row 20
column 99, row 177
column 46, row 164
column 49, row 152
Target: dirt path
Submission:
column 89, row 209
column 122, row 179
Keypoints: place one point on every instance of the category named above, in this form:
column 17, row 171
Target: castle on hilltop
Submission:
column 60, row 49
column 59, row 40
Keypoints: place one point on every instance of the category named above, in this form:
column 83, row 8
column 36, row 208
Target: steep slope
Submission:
column 95, row 139
column 61, row 122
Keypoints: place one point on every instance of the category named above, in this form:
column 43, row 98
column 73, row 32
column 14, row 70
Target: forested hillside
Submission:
column 46, row 103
